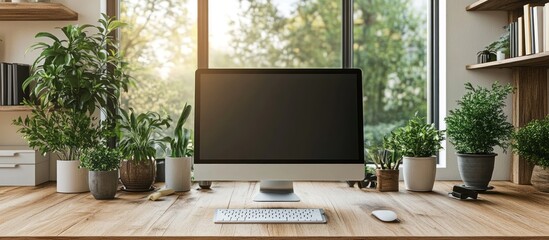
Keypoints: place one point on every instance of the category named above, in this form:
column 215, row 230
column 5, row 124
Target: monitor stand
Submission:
column 276, row 191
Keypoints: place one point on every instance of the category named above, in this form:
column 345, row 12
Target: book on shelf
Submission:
column 12, row 76
column 546, row 27
column 3, row 84
column 511, row 29
column 520, row 29
column 537, row 17
column 527, row 30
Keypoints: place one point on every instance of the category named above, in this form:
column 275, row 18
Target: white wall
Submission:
column 18, row 36
column 466, row 33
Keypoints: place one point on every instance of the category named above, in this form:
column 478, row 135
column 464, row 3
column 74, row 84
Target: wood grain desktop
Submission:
column 509, row 211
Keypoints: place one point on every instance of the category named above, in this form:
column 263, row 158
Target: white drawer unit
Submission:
column 21, row 166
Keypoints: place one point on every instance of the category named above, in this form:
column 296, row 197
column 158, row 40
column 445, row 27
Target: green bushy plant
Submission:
column 418, row 138
column 140, row 134
column 532, row 142
column 101, row 158
column 180, row 142
column 479, row 124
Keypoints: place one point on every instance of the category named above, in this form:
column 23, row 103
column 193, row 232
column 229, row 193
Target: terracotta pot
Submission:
column 387, row 180
column 138, row 176
column 540, row 178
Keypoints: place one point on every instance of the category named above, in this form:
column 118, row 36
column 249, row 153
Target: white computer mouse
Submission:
column 385, row 215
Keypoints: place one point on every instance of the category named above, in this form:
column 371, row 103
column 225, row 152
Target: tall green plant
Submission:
column 72, row 77
column 179, row 144
column 140, row 134
column 83, row 71
column 532, row 142
column 418, row 138
column 479, row 124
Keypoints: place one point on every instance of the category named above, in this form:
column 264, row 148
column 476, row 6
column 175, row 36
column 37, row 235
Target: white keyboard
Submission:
column 315, row 215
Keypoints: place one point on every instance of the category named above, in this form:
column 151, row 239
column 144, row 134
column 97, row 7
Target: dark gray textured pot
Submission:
column 103, row 184
column 476, row 169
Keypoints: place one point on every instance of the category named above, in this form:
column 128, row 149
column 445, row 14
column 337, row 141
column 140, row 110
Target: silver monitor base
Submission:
column 276, row 191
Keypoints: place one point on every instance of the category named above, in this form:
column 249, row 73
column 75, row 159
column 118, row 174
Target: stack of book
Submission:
column 12, row 76
column 529, row 34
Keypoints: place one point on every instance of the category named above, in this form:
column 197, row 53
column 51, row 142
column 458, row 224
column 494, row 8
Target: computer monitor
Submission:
column 278, row 126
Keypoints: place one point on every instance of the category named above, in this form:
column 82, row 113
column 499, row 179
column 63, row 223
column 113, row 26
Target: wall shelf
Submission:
column 18, row 108
column 36, row 12
column 534, row 60
column 501, row 5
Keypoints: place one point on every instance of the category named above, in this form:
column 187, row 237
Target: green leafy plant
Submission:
column 532, row 142
column 479, row 124
column 83, row 71
column 72, row 77
column 101, row 158
column 180, row 143
column 418, row 138
column 60, row 131
column 140, row 134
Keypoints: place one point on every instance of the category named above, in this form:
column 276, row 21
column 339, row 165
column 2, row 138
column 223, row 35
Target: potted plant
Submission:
column 532, row 143
column 65, row 133
column 418, row 142
column 102, row 163
column 387, row 161
column 179, row 162
column 139, row 136
column 475, row 128
column 70, row 80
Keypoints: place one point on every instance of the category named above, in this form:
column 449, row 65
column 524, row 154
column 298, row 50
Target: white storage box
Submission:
column 21, row 166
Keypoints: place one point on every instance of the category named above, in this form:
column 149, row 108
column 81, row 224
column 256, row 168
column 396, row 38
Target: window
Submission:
column 160, row 45
column 274, row 33
column 390, row 45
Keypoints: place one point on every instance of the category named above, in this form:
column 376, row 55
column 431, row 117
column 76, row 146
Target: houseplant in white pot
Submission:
column 139, row 136
column 179, row 162
column 418, row 142
column 475, row 128
column 102, row 163
column 532, row 143
column 70, row 81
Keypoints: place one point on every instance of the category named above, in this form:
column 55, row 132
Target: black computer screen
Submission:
column 278, row 116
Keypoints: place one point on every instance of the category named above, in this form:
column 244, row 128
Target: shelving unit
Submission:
column 36, row 12
column 20, row 108
column 529, row 78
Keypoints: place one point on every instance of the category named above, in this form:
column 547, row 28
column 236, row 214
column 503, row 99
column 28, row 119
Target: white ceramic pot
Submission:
column 178, row 173
column 419, row 173
column 71, row 178
column 500, row 55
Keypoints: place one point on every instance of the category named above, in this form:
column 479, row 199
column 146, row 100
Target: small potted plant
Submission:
column 532, row 143
column 179, row 162
column 139, row 135
column 102, row 163
column 475, row 128
column 387, row 161
column 418, row 142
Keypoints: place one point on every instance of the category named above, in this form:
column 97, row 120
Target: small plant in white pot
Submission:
column 532, row 143
column 179, row 162
column 418, row 142
column 102, row 163
column 475, row 128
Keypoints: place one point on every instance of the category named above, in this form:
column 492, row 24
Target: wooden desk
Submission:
column 510, row 210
